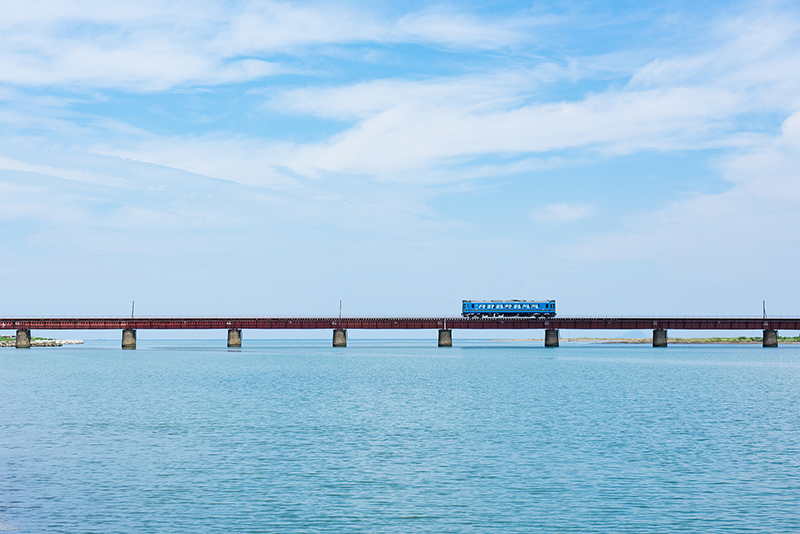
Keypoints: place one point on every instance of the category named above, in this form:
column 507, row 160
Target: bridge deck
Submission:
column 390, row 323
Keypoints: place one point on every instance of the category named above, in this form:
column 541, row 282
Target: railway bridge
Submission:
column 445, row 325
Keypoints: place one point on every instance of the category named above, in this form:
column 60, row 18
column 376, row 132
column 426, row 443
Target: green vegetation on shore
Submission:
column 685, row 340
column 698, row 340
column 743, row 339
column 740, row 339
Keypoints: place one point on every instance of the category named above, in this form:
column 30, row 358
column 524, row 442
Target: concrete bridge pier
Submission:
column 659, row 338
column 445, row 338
column 340, row 337
column 770, row 338
column 129, row 339
column 551, row 338
column 234, row 337
column 23, row 340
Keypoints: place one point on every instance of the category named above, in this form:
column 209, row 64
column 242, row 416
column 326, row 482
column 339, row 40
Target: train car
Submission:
column 508, row 308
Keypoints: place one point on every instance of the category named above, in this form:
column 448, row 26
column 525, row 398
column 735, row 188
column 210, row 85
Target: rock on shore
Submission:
column 43, row 342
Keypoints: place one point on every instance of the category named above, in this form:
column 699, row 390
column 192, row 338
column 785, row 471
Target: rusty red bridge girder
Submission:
column 403, row 323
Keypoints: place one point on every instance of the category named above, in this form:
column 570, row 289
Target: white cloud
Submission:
column 244, row 161
column 410, row 137
column 414, row 132
column 266, row 26
column 757, row 56
column 76, row 175
column 476, row 93
column 455, row 29
column 93, row 183
column 401, row 130
column 560, row 213
column 156, row 45
column 753, row 222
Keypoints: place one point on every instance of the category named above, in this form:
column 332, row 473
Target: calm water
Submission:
column 397, row 436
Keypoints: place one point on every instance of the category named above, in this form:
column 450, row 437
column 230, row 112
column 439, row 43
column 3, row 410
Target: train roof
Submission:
column 511, row 300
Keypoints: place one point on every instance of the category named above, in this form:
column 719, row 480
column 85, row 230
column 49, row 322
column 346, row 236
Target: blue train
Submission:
column 508, row 308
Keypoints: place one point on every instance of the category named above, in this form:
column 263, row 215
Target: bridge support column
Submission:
column 551, row 338
column 770, row 338
column 340, row 337
column 445, row 338
column 129, row 339
column 234, row 337
column 23, row 340
column 659, row 338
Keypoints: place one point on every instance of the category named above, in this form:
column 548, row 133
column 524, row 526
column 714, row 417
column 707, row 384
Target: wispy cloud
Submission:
column 408, row 136
column 157, row 45
column 756, row 214
column 560, row 213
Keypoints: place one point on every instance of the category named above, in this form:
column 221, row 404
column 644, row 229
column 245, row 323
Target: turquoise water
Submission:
column 399, row 436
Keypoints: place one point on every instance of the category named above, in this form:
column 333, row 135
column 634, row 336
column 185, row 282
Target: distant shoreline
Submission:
column 677, row 340
column 12, row 342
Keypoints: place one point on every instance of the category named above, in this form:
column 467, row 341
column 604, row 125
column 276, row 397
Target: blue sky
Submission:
column 272, row 158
